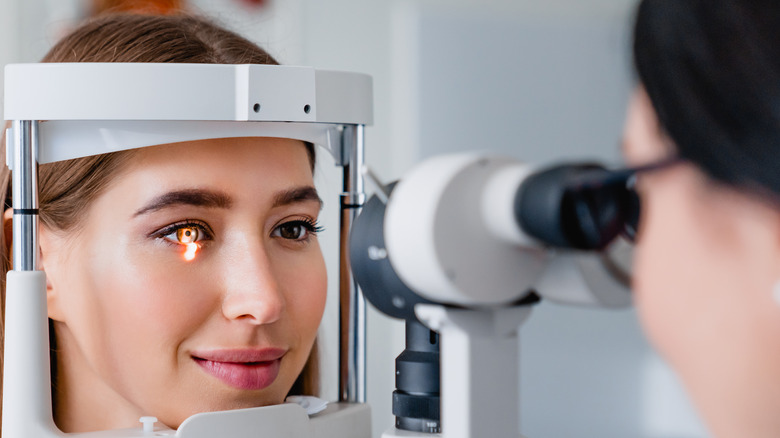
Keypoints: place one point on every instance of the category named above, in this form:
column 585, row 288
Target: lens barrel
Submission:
column 416, row 403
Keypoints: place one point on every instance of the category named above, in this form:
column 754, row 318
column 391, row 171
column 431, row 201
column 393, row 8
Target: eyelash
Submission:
column 311, row 226
column 201, row 226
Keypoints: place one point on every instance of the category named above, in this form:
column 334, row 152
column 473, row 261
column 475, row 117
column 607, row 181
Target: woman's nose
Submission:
column 252, row 291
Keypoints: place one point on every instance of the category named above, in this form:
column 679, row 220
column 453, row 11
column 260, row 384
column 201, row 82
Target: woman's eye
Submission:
column 184, row 235
column 296, row 230
column 187, row 235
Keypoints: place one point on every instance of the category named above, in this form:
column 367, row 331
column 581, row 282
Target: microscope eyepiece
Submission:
column 582, row 206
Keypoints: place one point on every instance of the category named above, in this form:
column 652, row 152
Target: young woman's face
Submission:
column 706, row 259
column 194, row 283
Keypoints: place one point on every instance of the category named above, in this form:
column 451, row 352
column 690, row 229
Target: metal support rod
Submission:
column 352, row 305
column 25, row 195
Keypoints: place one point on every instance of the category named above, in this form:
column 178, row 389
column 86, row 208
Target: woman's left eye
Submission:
column 300, row 229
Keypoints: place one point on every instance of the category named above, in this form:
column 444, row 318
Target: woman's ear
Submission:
column 47, row 243
column 44, row 240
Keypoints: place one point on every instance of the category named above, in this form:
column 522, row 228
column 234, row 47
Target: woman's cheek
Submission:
column 165, row 291
column 647, row 297
column 654, row 265
column 670, row 262
column 309, row 291
column 314, row 290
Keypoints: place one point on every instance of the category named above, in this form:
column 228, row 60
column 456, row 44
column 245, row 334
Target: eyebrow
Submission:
column 215, row 199
column 299, row 194
column 193, row 197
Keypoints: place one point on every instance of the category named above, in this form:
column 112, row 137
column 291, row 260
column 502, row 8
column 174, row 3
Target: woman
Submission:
column 181, row 278
column 707, row 268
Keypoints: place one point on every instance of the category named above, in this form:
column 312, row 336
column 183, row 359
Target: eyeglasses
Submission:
column 594, row 205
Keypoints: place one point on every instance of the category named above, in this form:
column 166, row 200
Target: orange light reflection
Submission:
column 192, row 249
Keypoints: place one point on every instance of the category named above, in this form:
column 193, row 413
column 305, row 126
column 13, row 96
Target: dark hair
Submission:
column 712, row 71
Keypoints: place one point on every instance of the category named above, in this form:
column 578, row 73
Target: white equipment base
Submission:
column 479, row 371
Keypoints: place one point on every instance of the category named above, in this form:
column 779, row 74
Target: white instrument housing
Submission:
column 65, row 111
column 452, row 237
column 148, row 91
column 440, row 244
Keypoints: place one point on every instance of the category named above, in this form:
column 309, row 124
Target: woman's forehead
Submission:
column 249, row 167
column 234, row 153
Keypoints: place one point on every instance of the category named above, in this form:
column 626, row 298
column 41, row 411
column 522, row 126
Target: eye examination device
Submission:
column 65, row 111
column 460, row 248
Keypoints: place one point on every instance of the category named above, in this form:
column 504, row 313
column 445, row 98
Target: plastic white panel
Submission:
column 345, row 94
column 147, row 91
column 64, row 140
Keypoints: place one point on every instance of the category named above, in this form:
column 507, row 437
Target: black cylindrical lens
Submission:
column 416, row 403
column 580, row 206
column 633, row 211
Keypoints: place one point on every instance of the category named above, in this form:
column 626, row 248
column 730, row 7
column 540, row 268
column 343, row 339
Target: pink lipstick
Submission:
column 250, row 369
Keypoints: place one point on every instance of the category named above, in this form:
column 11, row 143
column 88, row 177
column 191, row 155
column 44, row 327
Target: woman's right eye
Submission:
column 185, row 233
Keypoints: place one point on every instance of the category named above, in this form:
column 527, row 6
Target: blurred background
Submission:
column 540, row 80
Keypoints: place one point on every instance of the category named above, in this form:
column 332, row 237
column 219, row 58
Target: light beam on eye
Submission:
column 192, row 249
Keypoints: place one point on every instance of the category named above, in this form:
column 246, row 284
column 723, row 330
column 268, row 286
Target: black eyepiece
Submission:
column 581, row 206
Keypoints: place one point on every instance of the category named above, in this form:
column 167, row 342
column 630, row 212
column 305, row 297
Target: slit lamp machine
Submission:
column 460, row 248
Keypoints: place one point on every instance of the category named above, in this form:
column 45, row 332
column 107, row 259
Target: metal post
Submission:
column 352, row 306
column 25, row 195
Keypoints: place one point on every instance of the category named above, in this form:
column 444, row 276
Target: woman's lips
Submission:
column 250, row 369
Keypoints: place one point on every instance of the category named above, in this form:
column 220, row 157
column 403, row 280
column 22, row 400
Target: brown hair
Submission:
column 66, row 188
